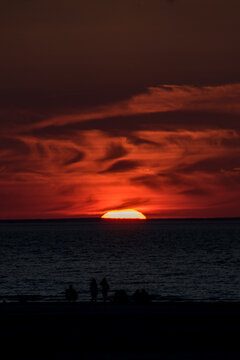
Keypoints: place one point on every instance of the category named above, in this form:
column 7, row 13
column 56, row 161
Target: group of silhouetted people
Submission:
column 72, row 295
column 120, row 296
column 94, row 289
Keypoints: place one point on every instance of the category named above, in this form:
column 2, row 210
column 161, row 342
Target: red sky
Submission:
column 111, row 105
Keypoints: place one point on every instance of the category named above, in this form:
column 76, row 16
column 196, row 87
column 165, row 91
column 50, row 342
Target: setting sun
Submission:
column 124, row 214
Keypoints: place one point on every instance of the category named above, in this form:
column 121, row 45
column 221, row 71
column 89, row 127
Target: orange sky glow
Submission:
column 166, row 164
column 111, row 105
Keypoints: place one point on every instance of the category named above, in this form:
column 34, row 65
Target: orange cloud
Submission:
column 60, row 168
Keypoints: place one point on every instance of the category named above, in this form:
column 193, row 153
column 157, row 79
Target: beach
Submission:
column 65, row 330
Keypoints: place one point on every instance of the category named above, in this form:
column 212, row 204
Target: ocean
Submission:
column 174, row 260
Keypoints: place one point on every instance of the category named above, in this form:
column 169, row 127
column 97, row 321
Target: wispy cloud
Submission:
column 114, row 151
column 175, row 148
column 162, row 99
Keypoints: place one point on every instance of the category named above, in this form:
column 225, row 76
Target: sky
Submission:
column 107, row 105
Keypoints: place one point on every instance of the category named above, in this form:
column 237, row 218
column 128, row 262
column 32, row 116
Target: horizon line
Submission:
column 108, row 220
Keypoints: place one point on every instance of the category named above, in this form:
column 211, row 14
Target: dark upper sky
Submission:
column 133, row 91
column 89, row 52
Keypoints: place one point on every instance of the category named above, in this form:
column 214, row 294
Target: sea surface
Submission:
column 174, row 260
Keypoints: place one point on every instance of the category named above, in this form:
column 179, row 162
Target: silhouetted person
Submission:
column 94, row 289
column 105, row 288
column 71, row 294
column 145, row 297
column 121, row 297
column 141, row 296
column 137, row 296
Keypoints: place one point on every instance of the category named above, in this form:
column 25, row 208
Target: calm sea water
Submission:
column 172, row 259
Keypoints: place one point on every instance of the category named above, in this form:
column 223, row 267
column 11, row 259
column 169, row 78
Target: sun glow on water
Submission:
column 124, row 214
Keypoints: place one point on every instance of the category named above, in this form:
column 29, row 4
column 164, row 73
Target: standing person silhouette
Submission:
column 94, row 289
column 105, row 288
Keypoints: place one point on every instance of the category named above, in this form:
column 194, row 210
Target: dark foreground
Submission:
column 120, row 331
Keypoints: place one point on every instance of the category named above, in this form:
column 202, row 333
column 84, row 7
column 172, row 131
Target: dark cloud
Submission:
column 129, row 203
column 136, row 140
column 114, row 151
column 41, row 150
column 197, row 191
column 67, row 189
column 12, row 153
column 128, row 125
column 122, row 166
column 177, row 179
column 11, row 118
column 162, row 180
column 232, row 143
column 64, row 206
column 150, row 181
column 13, row 146
column 75, row 158
column 214, row 164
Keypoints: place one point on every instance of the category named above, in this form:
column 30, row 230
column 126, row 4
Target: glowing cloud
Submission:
column 180, row 161
column 124, row 214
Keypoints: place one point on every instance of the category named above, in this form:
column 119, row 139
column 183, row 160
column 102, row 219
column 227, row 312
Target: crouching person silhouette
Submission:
column 71, row 294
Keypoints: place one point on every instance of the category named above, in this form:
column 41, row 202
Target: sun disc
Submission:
column 124, row 214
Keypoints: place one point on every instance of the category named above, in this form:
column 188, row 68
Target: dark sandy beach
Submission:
column 120, row 331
